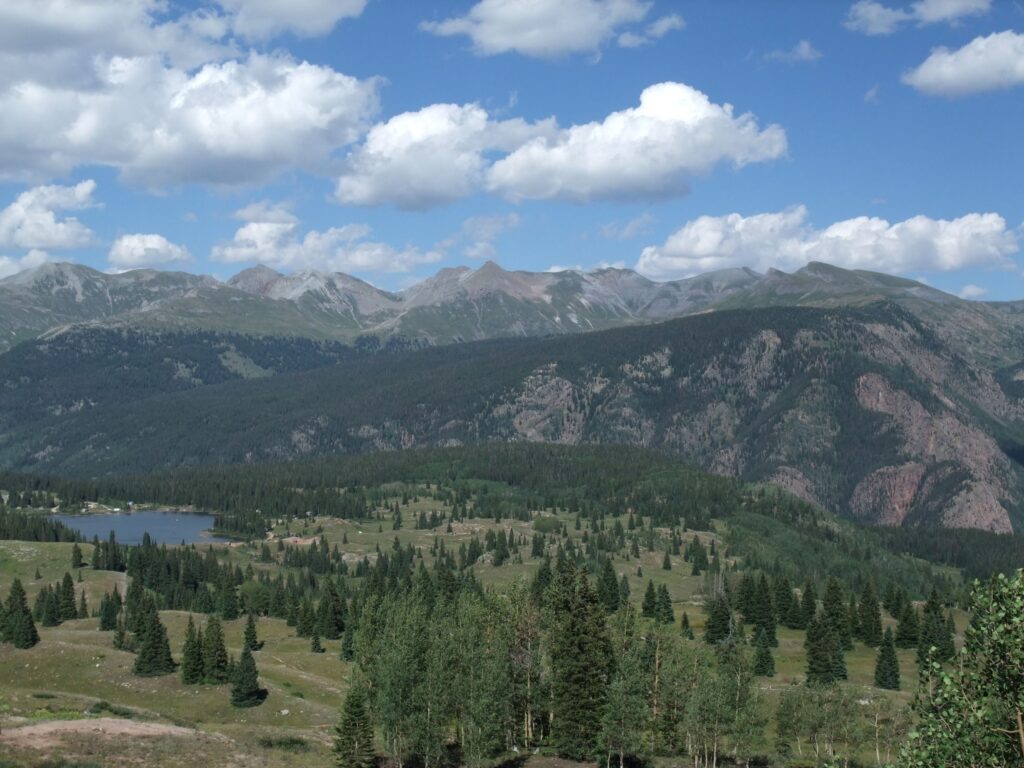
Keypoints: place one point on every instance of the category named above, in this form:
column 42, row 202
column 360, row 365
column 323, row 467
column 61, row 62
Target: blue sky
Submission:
column 390, row 138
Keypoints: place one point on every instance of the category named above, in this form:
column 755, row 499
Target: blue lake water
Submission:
column 162, row 527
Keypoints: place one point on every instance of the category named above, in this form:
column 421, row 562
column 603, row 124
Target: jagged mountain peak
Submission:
column 255, row 280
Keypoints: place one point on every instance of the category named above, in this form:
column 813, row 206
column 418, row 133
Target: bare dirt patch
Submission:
column 50, row 734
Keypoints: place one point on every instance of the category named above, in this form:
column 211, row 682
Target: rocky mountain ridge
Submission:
column 456, row 304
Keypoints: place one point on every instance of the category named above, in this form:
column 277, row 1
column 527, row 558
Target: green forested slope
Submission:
column 864, row 411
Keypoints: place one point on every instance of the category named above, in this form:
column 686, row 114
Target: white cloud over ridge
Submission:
column 990, row 63
column 11, row 265
column 142, row 250
column 271, row 236
column 873, row 18
column 786, row 240
column 478, row 234
column 32, row 220
column 645, row 152
column 972, row 291
column 546, row 28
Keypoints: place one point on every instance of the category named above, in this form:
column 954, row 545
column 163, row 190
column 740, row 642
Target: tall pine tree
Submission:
column 215, row 655
column 245, row 685
column 154, row 650
column 887, row 667
column 353, row 736
column 192, row 656
column 18, row 627
column 764, row 664
column 580, row 664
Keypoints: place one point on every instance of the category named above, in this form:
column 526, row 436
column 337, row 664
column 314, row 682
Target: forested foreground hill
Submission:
column 470, row 606
column 865, row 411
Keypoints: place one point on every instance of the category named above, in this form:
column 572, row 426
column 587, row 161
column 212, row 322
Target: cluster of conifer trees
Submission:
column 58, row 603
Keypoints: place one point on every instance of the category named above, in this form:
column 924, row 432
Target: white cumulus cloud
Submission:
column 542, row 28
column 786, row 240
column 873, row 18
column 234, row 122
column 271, row 236
column 141, row 250
column 417, row 160
column 649, row 151
column 32, row 220
column 989, row 63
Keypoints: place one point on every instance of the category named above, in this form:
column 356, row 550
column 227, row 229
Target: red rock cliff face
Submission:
column 887, row 494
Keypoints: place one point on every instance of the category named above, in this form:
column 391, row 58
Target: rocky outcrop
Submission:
column 935, row 438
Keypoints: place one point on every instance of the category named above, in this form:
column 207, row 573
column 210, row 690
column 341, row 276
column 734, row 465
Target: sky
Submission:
column 390, row 138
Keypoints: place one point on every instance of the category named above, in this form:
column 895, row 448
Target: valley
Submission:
column 466, row 533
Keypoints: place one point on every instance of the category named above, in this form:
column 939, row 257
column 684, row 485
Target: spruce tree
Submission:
column 121, row 636
column 666, row 563
column 908, row 629
column 835, row 613
column 331, row 612
column 192, row 656
column 306, row 621
column 215, row 655
column 227, row 599
column 623, row 590
column 608, row 587
column 853, row 619
column 935, row 638
column 719, row 626
column 154, row 651
column 48, row 607
column 250, row 637
column 762, row 614
column 314, row 643
column 808, row 604
column 664, row 608
column 348, row 643
column 649, row 609
column 83, row 608
column 76, row 556
column 581, row 658
column 353, row 736
column 18, row 628
column 870, row 617
column 764, row 664
column 245, row 687
column 822, row 648
column 66, row 598
column 109, row 610
column 746, row 597
column 887, row 667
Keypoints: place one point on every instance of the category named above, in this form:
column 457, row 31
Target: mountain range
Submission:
column 877, row 397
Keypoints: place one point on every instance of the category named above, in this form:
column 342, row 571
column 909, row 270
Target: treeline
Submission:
column 24, row 526
column 978, row 554
column 601, row 485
